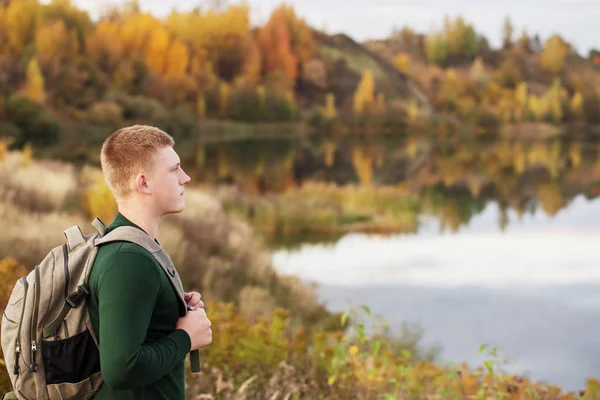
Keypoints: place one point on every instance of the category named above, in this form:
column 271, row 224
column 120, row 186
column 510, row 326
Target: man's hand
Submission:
column 197, row 326
column 192, row 299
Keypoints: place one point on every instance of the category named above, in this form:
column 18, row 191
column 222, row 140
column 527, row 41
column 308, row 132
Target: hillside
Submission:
column 345, row 62
column 524, row 80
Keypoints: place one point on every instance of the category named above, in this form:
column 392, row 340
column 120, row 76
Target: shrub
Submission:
column 36, row 125
column 105, row 112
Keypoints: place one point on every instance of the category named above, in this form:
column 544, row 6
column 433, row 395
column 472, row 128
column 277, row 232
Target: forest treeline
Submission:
column 59, row 67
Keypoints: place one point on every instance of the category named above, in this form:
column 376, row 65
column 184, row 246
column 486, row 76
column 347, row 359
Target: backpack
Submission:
column 50, row 347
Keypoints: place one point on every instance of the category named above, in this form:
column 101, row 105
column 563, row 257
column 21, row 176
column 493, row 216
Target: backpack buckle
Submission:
column 76, row 297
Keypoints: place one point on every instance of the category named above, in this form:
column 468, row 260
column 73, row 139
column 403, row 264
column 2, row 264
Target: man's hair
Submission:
column 129, row 150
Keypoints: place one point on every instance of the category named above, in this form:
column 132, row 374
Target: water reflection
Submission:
column 452, row 178
column 505, row 250
column 532, row 289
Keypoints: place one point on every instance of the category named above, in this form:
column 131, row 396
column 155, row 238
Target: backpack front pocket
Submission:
column 70, row 360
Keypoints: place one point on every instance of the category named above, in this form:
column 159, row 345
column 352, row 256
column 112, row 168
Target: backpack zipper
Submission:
column 17, row 369
column 33, row 366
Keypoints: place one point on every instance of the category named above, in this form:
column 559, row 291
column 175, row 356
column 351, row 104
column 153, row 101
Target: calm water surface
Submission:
column 532, row 289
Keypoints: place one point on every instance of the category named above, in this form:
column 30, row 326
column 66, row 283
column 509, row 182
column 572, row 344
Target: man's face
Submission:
column 167, row 182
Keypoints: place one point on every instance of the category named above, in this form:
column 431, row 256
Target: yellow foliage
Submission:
column 55, row 43
column 253, row 61
column 262, row 95
column 20, row 21
column 413, row 111
column 520, row 159
column 136, row 31
column 201, row 106
column 224, row 94
column 402, row 62
column 105, row 45
column 330, row 111
column 575, row 154
column 10, row 272
column 551, row 198
column 538, row 106
column 211, row 28
column 200, row 156
column 26, row 155
column 365, row 92
column 99, row 200
column 412, row 146
column 329, row 152
column 34, row 82
column 576, row 104
column 157, row 50
column 177, row 60
column 3, row 148
column 521, row 96
column 363, row 165
column 553, row 55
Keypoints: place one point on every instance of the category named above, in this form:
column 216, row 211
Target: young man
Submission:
column 143, row 337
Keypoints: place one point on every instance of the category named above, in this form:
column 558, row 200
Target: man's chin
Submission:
column 175, row 210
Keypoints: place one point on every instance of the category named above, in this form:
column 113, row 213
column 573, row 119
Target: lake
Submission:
column 532, row 288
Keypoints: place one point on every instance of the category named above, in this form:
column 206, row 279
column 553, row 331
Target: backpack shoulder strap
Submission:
column 142, row 239
column 74, row 237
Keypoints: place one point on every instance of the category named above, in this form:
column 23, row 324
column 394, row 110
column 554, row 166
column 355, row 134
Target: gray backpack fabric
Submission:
column 50, row 348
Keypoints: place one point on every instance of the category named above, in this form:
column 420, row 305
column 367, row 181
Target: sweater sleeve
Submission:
column 127, row 293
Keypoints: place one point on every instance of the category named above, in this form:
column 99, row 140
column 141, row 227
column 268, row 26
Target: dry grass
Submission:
column 37, row 186
column 28, row 236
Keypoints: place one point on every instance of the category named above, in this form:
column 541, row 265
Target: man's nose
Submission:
column 186, row 178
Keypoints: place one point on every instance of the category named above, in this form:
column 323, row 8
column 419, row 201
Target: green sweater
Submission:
column 134, row 308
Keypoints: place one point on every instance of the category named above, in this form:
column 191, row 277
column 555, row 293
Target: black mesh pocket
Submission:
column 70, row 360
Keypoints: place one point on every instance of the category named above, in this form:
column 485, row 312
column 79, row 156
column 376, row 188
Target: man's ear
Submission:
column 141, row 184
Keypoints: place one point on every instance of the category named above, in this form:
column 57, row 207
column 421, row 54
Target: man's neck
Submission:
column 147, row 221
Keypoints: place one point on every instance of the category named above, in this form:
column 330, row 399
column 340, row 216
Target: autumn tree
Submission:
column 510, row 72
column 20, row 22
column 461, row 38
column 521, row 98
column 576, row 105
column 436, row 49
column 106, row 47
column 58, row 52
column 556, row 95
column 55, row 45
column 554, row 54
column 364, row 96
column 221, row 43
column 402, row 62
column 33, row 87
column 451, row 89
column 330, row 111
column 75, row 19
column 275, row 43
column 478, row 72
